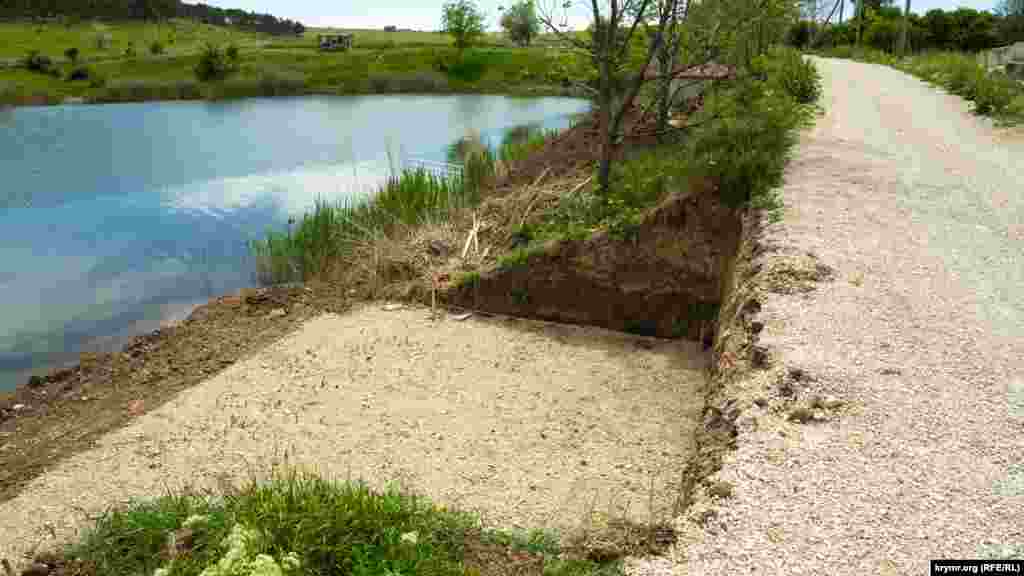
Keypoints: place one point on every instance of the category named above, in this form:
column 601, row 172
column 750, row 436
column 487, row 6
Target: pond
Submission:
column 116, row 219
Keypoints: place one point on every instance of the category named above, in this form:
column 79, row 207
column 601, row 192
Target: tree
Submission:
column 464, row 21
column 627, row 35
column 903, row 31
column 520, row 22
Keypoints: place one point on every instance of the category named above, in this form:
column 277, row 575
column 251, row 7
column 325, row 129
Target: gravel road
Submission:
column 529, row 423
column 918, row 207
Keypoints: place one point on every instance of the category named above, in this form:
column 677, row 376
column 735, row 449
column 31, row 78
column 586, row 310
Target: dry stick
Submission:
column 472, row 236
column 535, row 194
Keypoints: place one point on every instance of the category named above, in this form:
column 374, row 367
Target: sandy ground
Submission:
column 918, row 207
column 531, row 424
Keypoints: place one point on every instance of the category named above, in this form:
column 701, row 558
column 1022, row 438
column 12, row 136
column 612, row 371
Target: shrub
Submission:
column 78, row 73
column 71, row 54
column 36, row 62
column 129, row 52
column 232, row 53
column 156, row 48
column 746, row 149
column 214, row 64
column 102, row 41
column 470, row 66
column 789, row 70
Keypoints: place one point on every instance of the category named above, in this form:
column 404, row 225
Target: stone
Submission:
column 801, row 414
column 438, row 248
column 831, row 402
column 36, row 569
column 18, row 407
column 277, row 313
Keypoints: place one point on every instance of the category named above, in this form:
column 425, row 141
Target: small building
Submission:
column 333, row 42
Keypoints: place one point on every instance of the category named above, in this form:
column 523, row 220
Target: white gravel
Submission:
column 531, row 424
column 918, row 207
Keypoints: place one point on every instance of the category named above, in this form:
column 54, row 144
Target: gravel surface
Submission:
column 918, row 208
column 529, row 423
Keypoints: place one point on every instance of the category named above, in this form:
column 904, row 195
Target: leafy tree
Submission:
column 464, row 21
column 628, row 35
column 520, row 22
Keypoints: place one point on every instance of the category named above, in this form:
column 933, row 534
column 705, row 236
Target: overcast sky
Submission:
column 426, row 14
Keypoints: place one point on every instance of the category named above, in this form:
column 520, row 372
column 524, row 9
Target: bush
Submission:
column 799, row 36
column 97, row 81
column 469, row 67
column 790, row 71
column 232, row 53
column 129, row 52
column 71, row 54
column 745, row 151
column 215, row 65
column 78, row 73
column 102, row 41
column 36, row 62
column 156, row 48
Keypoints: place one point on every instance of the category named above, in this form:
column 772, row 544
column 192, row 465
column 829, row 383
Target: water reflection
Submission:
column 112, row 215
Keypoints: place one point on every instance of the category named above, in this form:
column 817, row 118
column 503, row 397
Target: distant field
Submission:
column 380, row 62
column 176, row 36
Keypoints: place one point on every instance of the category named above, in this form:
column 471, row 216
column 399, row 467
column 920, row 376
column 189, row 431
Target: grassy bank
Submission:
column 741, row 141
column 302, row 524
column 380, row 62
column 993, row 93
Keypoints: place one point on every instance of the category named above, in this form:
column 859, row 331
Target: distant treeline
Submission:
column 963, row 29
column 146, row 10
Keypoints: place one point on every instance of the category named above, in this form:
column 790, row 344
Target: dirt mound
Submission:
column 665, row 280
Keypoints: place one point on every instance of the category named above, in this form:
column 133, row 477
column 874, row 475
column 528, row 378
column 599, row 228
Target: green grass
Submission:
column 298, row 523
column 524, row 142
column 359, row 71
column 178, row 37
column 330, row 234
column 380, row 62
column 992, row 93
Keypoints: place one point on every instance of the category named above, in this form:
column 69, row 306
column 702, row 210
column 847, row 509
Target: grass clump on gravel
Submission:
column 298, row 523
column 993, row 93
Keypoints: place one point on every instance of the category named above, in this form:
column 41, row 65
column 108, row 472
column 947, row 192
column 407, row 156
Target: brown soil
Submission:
column 64, row 412
column 665, row 281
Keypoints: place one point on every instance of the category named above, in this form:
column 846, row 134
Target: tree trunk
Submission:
column 860, row 19
column 666, row 64
column 605, row 117
column 903, row 33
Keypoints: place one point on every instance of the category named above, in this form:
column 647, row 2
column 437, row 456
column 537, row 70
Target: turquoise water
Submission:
column 115, row 219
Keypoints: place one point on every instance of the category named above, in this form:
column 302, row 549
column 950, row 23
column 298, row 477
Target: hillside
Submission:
column 69, row 12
